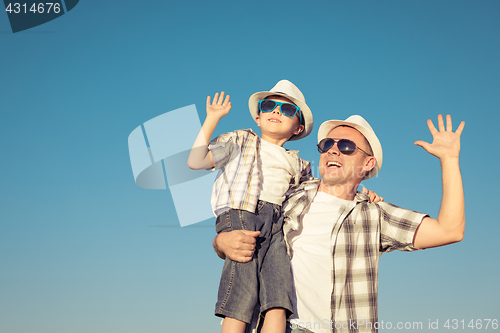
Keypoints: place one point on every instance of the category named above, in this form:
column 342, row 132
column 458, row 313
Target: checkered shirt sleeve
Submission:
column 237, row 184
column 397, row 227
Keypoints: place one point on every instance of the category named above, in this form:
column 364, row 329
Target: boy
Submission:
column 254, row 177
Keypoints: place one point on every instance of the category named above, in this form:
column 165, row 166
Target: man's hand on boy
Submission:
column 446, row 143
column 374, row 197
column 219, row 107
column 237, row 245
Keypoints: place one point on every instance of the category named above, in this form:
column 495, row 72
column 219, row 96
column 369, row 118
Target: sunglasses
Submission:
column 287, row 109
column 346, row 147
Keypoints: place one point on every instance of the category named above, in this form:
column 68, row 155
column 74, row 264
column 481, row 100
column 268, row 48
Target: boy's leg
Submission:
column 275, row 277
column 231, row 325
column 238, row 288
column 274, row 321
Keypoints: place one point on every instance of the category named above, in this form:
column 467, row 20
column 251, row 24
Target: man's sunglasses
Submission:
column 287, row 109
column 346, row 147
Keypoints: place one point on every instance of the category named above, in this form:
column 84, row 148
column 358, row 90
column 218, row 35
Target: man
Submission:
column 335, row 234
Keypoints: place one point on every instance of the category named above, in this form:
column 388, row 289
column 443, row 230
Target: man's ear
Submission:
column 370, row 163
column 298, row 130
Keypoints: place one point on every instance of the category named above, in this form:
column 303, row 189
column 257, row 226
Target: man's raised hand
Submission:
column 446, row 143
column 219, row 107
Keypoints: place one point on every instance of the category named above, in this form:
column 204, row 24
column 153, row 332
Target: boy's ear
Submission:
column 257, row 120
column 298, row 130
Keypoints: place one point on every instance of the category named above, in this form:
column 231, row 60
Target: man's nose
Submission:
column 334, row 150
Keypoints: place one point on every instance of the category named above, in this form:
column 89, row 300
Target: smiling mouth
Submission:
column 333, row 164
column 273, row 120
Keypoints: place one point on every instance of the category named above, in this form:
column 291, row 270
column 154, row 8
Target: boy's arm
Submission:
column 450, row 225
column 200, row 156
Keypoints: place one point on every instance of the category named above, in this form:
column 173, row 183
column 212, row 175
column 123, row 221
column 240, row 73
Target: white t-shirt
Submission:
column 312, row 263
column 278, row 168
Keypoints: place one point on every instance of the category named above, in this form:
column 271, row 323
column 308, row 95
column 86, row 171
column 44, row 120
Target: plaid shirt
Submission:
column 363, row 232
column 238, row 184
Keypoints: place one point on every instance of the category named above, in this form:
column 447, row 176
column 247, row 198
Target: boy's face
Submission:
column 276, row 125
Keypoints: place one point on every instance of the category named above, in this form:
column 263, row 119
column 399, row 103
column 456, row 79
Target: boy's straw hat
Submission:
column 364, row 128
column 288, row 90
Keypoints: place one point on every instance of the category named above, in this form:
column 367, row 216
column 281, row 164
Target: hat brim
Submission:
column 253, row 105
column 370, row 136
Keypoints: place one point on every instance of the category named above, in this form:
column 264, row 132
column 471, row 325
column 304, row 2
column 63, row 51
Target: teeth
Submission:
column 274, row 120
column 334, row 164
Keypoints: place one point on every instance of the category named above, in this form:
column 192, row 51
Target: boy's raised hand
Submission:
column 219, row 107
column 446, row 143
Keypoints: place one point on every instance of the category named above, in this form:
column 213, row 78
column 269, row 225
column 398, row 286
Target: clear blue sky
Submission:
column 84, row 249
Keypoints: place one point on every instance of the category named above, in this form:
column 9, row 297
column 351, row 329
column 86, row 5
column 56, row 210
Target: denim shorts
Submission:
column 266, row 280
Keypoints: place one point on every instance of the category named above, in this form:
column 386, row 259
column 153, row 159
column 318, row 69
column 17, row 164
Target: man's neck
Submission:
column 342, row 191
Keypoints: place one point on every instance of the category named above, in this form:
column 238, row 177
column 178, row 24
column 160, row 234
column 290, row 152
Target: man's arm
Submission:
column 200, row 156
column 237, row 245
column 450, row 224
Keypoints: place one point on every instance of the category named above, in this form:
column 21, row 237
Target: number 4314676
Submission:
column 474, row 324
column 36, row 8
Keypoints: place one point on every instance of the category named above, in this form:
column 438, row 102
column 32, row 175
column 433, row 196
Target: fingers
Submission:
column 441, row 123
column 237, row 245
column 422, row 144
column 242, row 246
column 251, row 233
column 245, row 240
column 431, row 126
column 226, row 102
column 374, row 197
column 219, row 100
column 449, row 126
column 241, row 258
column 370, row 193
column 460, row 128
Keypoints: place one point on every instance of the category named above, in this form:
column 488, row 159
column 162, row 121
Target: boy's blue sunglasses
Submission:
column 287, row 109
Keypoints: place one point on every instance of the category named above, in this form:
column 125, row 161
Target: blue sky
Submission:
column 84, row 249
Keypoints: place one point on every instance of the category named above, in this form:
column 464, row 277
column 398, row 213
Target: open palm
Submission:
column 446, row 143
column 219, row 107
